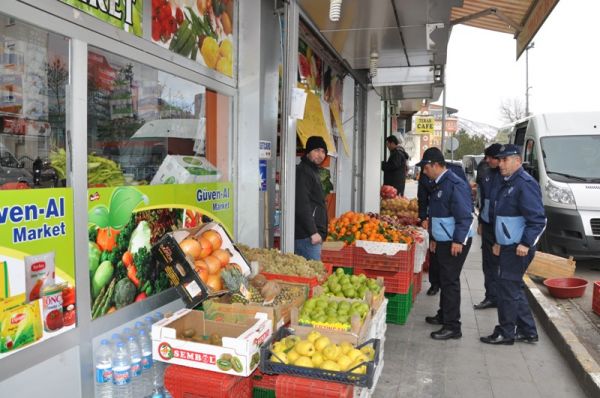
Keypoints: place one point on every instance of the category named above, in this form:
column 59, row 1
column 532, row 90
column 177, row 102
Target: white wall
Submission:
column 373, row 155
column 344, row 182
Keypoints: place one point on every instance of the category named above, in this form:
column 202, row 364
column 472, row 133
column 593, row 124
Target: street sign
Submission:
column 451, row 144
column 425, row 124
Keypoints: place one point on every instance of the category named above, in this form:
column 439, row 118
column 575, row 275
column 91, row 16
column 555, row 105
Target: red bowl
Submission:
column 566, row 287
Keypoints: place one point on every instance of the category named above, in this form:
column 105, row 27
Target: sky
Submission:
column 564, row 66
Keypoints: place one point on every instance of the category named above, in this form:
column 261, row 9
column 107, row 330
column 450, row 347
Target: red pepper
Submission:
column 107, row 238
column 140, row 297
column 132, row 275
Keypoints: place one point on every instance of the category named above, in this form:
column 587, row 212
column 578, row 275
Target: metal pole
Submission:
column 443, row 118
column 527, row 77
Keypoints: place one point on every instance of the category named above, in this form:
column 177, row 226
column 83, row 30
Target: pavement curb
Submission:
column 584, row 366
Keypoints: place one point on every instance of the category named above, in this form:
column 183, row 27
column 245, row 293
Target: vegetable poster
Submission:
column 201, row 30
column 36, row 223
column 125, row 222
column 126, row 14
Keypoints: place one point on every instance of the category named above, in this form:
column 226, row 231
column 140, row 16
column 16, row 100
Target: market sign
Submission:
column 425, row 124
column 123, row 14
column 126, row 221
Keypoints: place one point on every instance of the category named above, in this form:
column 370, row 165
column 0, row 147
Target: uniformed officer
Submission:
column 451, row 218
column 424, row 188
column 488, row 183
column 519, row 221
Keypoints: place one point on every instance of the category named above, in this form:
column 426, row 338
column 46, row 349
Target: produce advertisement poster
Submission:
column 37, row 265
column 310, row 68
column 123, row 14
column 201, row 30
column 125, row 222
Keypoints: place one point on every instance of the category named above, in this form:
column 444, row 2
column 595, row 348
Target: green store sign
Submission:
column 123, row 14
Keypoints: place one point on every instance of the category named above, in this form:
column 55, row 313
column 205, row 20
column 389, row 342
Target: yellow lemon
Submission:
column 280, row 357
column 304, row 361
column 210, row 52
column 317, row 359
column 226, row 49
column 332, row 352
column 346, row 347
column 368, row 351
column 313, row 336
column 321, row 343
column 292, row 356
column 354, row 353
column 305, row 348
column 344, row 362
column 279, row 347
column 225, row 66
column 330, row 365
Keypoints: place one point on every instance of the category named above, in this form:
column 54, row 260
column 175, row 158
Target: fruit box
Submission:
column 238, row 355
column 373, row 300
column 357, row 334
column 384, row 256
column 180, row 270
column 177, row 169
column 221, row 309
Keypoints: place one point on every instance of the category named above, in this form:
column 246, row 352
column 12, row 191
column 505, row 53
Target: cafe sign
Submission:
column 425, row 124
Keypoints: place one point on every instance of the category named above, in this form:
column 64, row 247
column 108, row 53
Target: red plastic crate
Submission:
column 299, row 387
column 394, row 282
column 401, row 261
column 264, row 381
column 184, row 382
column 311, row 282
column 417, row 282
column 339, row 258
column 596, row 298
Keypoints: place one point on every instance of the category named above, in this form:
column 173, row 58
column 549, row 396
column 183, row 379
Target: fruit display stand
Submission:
column 357, row 334
column 299, row 387
column 185, row 382
column 271, row 363
column 180, row 340
column 338, row 254
column 384, row 256
column 312, row 282
column 399, row 306
column 221, row 308
column 394, row 282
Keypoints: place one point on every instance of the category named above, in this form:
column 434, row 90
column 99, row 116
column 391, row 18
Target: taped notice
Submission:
column 381, row 247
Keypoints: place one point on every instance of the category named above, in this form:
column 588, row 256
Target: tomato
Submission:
column 54, row 320
column 69, row 318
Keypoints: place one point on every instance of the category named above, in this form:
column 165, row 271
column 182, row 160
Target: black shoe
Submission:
column 445, row 334
column 433, row 290
column 522, row 338
column 433, row 320
column 497, row 339
column 485, row 304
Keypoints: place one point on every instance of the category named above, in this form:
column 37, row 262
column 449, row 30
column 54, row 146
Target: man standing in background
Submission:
column 394, row 169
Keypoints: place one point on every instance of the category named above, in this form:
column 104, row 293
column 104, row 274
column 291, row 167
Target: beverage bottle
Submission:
column 121, row 372
column 114, row 339
column 147, row 362
column 135, row 356
column 103, row 370
column 128, row 332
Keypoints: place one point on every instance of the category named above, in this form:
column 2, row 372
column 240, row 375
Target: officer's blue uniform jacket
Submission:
column 451, row 210
column 488, row 189
column 426, row 187
column 518, row 210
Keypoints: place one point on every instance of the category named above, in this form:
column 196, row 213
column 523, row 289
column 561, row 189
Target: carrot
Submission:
column 132, row 275
column 127, row 259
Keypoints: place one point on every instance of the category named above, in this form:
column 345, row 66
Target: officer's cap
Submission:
column 431, row 155
column 508, row 150
column 492, row 150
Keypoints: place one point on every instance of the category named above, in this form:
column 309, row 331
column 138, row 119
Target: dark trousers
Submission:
column 490, row 262
column 514, row 313
column 450, row 268
column 434, row 270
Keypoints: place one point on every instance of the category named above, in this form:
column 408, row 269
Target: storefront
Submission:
column 121, row 123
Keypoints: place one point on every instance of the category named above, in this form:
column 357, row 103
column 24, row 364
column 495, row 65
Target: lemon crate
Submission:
column 356, row 379
column 363, row 392
column 378, row 325
column 399, row 306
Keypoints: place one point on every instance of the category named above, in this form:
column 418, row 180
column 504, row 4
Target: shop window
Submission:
column 34, row 71
column 146, row 126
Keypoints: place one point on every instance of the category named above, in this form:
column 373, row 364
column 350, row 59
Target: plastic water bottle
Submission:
column 115, row 339
column 139, row 325
column 135, row 355
column 128, row 332
column 121, row 364
column 103, row 370
column 147, row 362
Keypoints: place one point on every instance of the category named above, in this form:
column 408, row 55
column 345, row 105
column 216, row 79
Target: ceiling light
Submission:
column 373, row 64
column 335, row 10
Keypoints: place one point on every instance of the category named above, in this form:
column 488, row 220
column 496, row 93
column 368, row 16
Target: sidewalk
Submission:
column 417, row 366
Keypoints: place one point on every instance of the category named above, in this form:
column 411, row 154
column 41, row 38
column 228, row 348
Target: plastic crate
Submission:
column 360, row 392
column 184, row 382
column 398, row 308
column 264, row 381
column 311, row 282
column 596, row 298
column 339, row 258
column 378, row 325
column 347, row 270
column 402, row 261
column 299, row 387
column 394, row 282
column 417, row 283
column 269, row 367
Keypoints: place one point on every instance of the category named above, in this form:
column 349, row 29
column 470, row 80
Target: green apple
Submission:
column 339, row 271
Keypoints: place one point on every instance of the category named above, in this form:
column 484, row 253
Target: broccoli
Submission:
column 162, row 282
column 92, row 234
column 143, row 262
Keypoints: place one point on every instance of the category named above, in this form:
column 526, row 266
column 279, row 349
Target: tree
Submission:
column 512, row 110
column 468, row 144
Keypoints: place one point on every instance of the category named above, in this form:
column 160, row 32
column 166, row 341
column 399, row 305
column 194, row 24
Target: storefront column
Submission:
column 373, row 153
column 345, row 160
column 288, row 127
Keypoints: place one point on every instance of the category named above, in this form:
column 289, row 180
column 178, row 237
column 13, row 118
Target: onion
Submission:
column 214, row 238
column 223, row 255
column 213, row 264
column 191, row 247
column 214, row 282
column 201, row 269
column 206, row 247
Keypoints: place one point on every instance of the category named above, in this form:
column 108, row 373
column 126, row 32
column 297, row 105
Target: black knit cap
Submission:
column 315, row 142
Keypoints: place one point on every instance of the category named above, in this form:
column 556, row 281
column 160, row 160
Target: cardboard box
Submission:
column 356, row 335
column 180, row 270
column 177, row 169
column 239, row 354
column 546, row 265
column 222, row 309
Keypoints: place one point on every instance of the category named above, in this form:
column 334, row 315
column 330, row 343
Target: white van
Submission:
column 562, row 152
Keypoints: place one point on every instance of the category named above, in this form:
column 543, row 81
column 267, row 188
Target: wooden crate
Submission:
column 546, row 265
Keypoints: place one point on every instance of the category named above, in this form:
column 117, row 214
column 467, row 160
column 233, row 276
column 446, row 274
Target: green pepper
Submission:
column 94, row 254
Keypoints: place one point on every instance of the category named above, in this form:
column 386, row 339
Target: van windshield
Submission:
column 572, row 158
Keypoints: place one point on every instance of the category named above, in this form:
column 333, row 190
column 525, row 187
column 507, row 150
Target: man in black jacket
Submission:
column 311, row 211
column 394, row 169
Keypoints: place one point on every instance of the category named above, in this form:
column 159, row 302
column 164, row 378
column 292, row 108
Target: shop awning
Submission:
column 523, row 18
